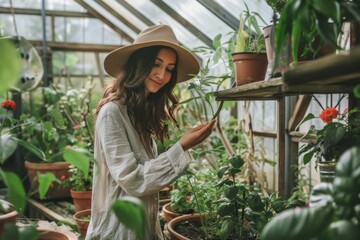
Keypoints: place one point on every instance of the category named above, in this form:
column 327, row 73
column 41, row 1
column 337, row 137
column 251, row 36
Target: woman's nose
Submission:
column 161, row 73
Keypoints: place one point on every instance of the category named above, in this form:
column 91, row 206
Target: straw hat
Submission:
column 155, row 35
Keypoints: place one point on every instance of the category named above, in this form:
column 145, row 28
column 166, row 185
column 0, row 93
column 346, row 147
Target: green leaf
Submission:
column 307, row 157
column 226, row 227
column 231, row 192
column 328, row 8
column 33, row 149
column 295, row 39
column 334, row 134
column 58, row 119
column 131, row 212
column 225, row 209
column 45, row 180
column 221, row 171
column 298, row 223
column 16, row 191
column 357, row 91
column 305, row 119
column 217, row 41
column 327, row 31
column 10, row 65
column 236, row 161
column 28, row 233
column 78, row 157
column 7, row 146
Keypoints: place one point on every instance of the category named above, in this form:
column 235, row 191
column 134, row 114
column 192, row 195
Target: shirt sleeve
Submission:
column 136, row 178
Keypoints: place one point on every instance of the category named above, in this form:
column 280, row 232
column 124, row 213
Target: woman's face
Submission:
column 161, row 72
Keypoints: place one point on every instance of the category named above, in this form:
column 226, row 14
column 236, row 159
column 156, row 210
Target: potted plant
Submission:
column 240, row 212
column 80, row 179
column 310, row 25
column 340, row 132
column 333, row 210
column 67, row 121
column 82, row 220
column 249, row 58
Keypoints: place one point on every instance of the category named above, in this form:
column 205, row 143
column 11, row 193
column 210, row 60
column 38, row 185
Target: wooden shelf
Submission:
column 337, row 73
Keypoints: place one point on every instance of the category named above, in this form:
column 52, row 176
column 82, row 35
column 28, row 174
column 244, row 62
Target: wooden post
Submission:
column 281, row 146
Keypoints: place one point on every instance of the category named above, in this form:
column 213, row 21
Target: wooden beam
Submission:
column 53, row 13
column 221, row 13
column 281, row 147
column 117, row 15
column 74, row 47
column 186, row 24
column 299, row 111
column 104, row 20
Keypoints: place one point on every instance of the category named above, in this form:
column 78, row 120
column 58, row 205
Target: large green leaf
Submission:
column 298, row 223
column 226, row 227
column 131, row 212
column 78, row 157
column 45, row 180
column 10, row 65
column 33, row 149
column 7, row 146
column 328, row 8
column 16, row 191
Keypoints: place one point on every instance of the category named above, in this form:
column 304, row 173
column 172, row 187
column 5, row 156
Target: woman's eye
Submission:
column 169, row 70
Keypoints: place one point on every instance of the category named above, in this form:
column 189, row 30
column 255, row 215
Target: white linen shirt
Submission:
column 124, row 168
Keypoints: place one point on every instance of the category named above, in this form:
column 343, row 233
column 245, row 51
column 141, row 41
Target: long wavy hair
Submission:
column 148, row 115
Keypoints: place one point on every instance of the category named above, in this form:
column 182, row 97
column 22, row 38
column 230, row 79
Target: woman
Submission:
column 131, row 114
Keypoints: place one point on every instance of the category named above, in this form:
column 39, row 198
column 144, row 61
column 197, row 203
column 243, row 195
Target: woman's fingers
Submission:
column 196, row 135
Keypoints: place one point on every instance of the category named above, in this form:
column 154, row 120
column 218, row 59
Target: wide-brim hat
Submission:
column 157, row 35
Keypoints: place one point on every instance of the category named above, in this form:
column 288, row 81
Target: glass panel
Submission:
column 74, row 63
column 236, row 7
column 125, row 14
column 111, row 18
column 68, row 5
column 27, row 26
column 200, row 17
column 156, row 15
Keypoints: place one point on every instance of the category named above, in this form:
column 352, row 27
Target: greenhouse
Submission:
column 169, row 119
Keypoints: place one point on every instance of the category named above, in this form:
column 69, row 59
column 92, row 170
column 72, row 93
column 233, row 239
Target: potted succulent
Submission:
column 249, row 57
column 340, row 132
column 333, row 209
column 82, row 220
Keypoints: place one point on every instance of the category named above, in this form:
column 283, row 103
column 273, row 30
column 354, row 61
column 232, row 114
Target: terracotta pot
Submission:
column 168, row 214
column 59, row 169
column 81, row 199
column 82, row 219
column 249, row 67
column 55, row 234
column 8, row 217
column 178, row 220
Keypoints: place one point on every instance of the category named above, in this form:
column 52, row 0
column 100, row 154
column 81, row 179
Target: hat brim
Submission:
column 188, row 65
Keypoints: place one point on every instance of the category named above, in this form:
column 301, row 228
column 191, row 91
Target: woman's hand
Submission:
column 196, row 135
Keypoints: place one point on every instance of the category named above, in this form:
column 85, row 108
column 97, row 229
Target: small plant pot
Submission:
column 249, row 67
column 55, row 234
column 327, row 171
column 168, row 214
column 7, row 217
column 81, row 199
column 59, row 169
column 178, row 220
column 82, row 219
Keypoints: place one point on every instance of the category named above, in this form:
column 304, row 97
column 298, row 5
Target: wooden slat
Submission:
column 281, row 147
column 336, row 68
column 299, row 111
column 81, row 47
column 46, row 212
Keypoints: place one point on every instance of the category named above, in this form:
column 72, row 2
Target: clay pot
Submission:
column 59, row 169
column 178, row 220
column 55, row 234
column 249, row 67
column 81, row 199
column 168, row 214
column 82, row 219
column 8, row 217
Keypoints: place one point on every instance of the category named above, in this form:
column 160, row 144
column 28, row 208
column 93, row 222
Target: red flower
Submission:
column 79, row 137
column 77, row 126
column 329, row 114
column 62, row 178
column 9, row 105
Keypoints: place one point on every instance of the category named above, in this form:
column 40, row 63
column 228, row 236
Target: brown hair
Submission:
column 148, row 115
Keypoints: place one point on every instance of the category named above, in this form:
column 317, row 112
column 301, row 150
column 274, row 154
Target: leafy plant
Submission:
column 309, row 19
column 246, row 39
column 276, row 5
column 333, row 211
column 342, row 130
